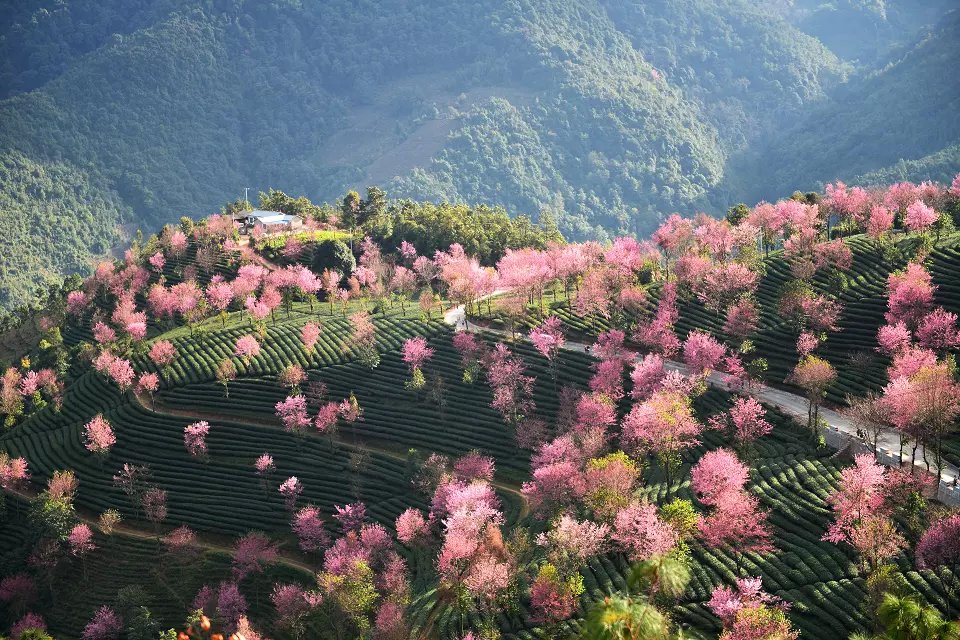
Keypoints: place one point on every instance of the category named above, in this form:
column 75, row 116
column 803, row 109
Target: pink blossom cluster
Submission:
column 99, row 435
column 195, row 438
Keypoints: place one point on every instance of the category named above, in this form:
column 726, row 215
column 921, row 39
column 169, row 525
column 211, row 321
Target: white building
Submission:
column 271, row 222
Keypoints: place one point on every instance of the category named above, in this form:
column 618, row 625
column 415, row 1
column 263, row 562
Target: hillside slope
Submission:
column 177, row 107
column 611, row 113
column 906, row 110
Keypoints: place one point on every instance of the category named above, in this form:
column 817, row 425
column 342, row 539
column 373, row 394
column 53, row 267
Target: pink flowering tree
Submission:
column 416, row 353
column 154, row 504
column 861, row 515
column 814, row 375
column 663, row 426
column 736, row 522
column 640, row 532
column 148, row 383
column 548, row 338
column 293, row 414
column 920, row 217
column 363, row 341
column 247, row 348
column 310, row 531
column 738, row 525
column 100, row 436
column 18, row 591
column 412, row 527
column 105, row 625
column 658, row 334
column 264, row 467
column 938, row 330
column 647, row 376
column 742, row 319
column 702, row 352
column 717, row 473
column 909, row 295
column 939, row 547
column 162, row 353
column 512, row 388
column 309, row 334
column 195, row 439
column 250, row 553
column 81, row 543
column 747, row 613
column 290, row 489
column 746, row 420
column 226, row 372
column 471, row 351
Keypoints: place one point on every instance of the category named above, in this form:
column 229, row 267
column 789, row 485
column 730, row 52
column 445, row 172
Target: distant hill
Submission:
column 611, row 113
column 905, row 111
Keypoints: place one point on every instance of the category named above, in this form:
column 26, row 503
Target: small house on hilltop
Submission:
column 269, row 222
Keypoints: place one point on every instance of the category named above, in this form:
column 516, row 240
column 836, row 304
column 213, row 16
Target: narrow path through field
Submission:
column 247, row 251
column 790, row 403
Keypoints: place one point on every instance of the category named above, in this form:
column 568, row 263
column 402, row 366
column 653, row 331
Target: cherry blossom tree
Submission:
column 717, row 473
column 880, row 222
column 938, row 330
column 309, row 335
column 747, row 613
column 162, row 352
column 106, row 624
column 647, row 375
column 148, row 383
column 226, row 373
column 909, row 295
column 309, row 529
column 247, row 348
column 471, row 351
column 658, row 334
column 154, row 503
column 195, row 438
column 290, row 489
column 411, row 526
column 548, row 340
column 100, row 436
column 939, row 546
column 416, row 353
column 81, row 540
column 737, row 524
column 748, row 419
column 363, row 341
column 512, row 388
column 861, row 517
column 662, row 425
column 742, row 318
column 814, row 375
column 919, row 217
column 250, row 553
column 641, row 533
column 292, row 376
column 18, row 591
column 593, row 296
column 293, row 413
column 702, row 352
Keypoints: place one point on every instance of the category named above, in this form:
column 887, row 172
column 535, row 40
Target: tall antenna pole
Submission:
column 245, row 190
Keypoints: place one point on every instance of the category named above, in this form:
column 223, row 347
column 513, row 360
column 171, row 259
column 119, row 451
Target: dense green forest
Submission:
column 609, row 113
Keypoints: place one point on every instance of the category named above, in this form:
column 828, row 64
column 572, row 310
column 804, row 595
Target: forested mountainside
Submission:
column 611, row 113
column 912, row 96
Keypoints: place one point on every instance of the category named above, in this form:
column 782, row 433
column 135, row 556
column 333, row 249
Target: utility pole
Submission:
column 245, row 190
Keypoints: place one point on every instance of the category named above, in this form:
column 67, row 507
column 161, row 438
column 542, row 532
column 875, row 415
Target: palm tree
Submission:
column 906, row 618
column 632, row 616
